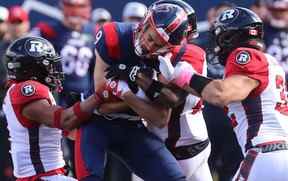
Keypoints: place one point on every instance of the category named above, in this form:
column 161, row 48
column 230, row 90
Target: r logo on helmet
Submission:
column 243, row 58
column 228, row 15
column 28, row 90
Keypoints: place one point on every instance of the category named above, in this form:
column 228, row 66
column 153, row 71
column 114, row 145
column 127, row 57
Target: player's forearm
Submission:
column 212, row 91
column 223, row 92
column 143, row 81
column 155, row 114
column 167, row 95
column 74, row 116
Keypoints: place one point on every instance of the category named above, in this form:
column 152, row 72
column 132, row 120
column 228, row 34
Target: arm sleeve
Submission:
column 251, row 63
column 24, row 93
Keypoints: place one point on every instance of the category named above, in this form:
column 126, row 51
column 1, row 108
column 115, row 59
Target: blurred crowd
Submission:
column 80, row 23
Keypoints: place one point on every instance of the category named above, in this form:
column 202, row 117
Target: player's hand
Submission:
column 182, row 74
column 122, row 72
column 116, row 87
column 126, row 73
column 166, row 68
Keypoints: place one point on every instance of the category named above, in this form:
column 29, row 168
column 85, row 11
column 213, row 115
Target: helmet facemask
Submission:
column 151, row 41
column 55, row 74
column 154, row 36
column 227, row 41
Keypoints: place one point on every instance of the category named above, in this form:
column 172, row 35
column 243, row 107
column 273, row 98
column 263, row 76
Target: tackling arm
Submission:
column 157, row 115
column 223, row 92
column 168, row 95
column 42, row 112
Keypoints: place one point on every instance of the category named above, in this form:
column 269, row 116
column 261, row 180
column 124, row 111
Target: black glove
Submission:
column 128, row 73
column 122, row 72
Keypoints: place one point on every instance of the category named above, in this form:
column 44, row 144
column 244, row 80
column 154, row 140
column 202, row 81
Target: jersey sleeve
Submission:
column 107, row 43
column 24, row 93
column 191, row 54
column 249, row 62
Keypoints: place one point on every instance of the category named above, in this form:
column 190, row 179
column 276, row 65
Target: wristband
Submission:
column 57, row 118
column 198, row 83
column 81, row 115
column 154, row 90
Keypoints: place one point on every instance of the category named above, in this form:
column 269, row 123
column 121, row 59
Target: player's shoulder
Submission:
column 27, row 90
column 117, row 28
column 190, row 53
column 112, row 39
column 195, row 50
column 247, row 57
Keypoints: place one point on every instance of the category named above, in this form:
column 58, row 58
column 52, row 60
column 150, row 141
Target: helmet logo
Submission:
column 28, row 90
column 229, row 14
column 243, row 57
column 37, row 48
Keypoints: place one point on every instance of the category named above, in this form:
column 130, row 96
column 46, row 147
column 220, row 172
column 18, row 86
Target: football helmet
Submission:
column 192, row 19
column 164, row 25
column 236, row 27
column 34, row 58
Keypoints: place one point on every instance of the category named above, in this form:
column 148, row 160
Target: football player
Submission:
column 254, row 91
column 186, row 129
column 34, row 120
column 123, row 132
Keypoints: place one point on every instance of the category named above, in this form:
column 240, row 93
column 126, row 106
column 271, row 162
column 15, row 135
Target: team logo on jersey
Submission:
column 28, row 90
column 243, row 57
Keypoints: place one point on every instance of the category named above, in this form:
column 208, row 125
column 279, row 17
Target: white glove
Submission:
column 117, row 87
column 182, row 74
column 166, row 67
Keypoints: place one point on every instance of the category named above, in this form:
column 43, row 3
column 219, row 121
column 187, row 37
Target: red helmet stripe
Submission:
column 176, row 22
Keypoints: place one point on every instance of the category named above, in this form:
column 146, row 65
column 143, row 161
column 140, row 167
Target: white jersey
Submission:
column 263, row 116
column 186, row 125
column 35, row 148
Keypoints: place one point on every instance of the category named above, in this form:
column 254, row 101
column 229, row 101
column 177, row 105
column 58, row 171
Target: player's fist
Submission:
column 182, row 74
column 114, row 89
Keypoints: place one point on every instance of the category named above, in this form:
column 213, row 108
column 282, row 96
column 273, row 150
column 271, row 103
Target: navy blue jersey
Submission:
column 276, row 43
column 114, row 43
column 76, row 50
column 77, row 60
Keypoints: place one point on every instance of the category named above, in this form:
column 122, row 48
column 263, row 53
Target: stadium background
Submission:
column 38, row 10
